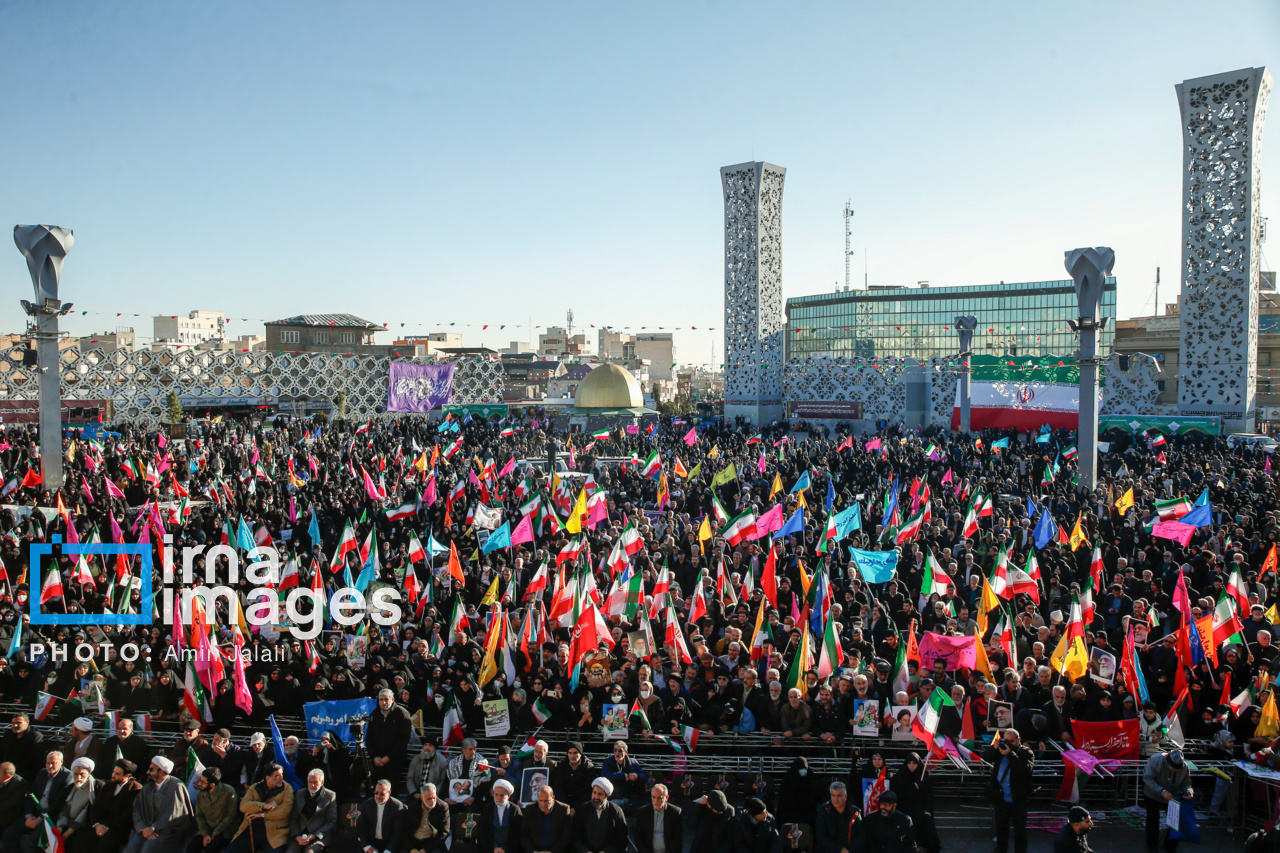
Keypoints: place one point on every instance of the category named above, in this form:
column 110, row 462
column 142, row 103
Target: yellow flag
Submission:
column 728, row 474
column 777, row 484
column 421, row 463
column 704, row 533
column 990, row 601
column 491, row 596
column 71, row 452
column 804, row 578
column 489, row 666
column 714, row 452
column 800, row 499
column 1273, row 615
column 1125, row 503
column 574, row 524
column 980, row 656
column 697, row 469
column 1077, row 534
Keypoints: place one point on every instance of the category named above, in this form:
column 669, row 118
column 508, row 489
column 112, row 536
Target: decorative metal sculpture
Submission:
column 1222, row 121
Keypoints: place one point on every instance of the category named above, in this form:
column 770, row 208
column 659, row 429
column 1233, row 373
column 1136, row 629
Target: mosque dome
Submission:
column 609, row 387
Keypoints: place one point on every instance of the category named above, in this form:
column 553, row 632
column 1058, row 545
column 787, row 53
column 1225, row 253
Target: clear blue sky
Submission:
column 430, row 163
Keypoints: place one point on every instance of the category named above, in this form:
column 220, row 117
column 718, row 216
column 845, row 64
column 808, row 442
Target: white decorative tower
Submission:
column 754, row 319
column 1222, row 120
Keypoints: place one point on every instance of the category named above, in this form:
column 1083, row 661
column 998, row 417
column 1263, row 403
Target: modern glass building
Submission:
column 1027, row 318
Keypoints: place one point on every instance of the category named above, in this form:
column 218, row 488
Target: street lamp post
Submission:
column 1089, row 269
column 965, row 326
column 44, row 247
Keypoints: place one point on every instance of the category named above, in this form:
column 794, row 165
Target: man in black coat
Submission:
column 387, row 738
column 1008, row 788
column 572, row 777
column 658, row 811
column 599, row 826
column 13, row 801
column 23, row 746
column 547, row 828
column 500, row 820
column 111, row 816
column 126, row 744
column 51, row 785
column 380, row 824
column 1074, row 835
column 889, row 830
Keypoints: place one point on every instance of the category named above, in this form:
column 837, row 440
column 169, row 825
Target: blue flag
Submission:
column 369, row 572
column 244, row 537
column 1201, row 516
column 847, row 521
column 15, row 644
column 1045, row 530
column 831, row 495
column 500, row 538
column 794, row 525
column 1043, row 438
column 1002, row 443
column 277, row 742
column 1031, row 508
column 1203, row 500
column 802, row 483
column 313, row 530
column 819, row 595
column 892, row 503
column 434, row 547
column 875, row 566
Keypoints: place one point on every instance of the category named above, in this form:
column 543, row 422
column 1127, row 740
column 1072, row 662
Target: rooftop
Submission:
column 326, row 320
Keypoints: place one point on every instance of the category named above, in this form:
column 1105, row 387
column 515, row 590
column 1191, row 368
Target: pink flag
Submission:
column 117, row 535
column 769, row 522
column 162, row 464
column 508, row 468
column 163, row 440
column 89, row 461
column 84, row 486
column 523, row 531
column 113, row 491
column 957, row 651
column 1266, row 467
column 429, row 493
column 244, row 697
column 534, row 425
column 293, row 510
column 946, row 478
column 691, row 437
column 873, row 444
column 761, row 466
column 370, row 487
column 1175, row 530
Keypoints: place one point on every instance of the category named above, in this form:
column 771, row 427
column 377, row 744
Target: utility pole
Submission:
column 848, row 233
column 965, row 326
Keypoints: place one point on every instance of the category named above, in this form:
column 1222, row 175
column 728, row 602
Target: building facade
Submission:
column 556, row 342
column 196, row 328
column 1026, row 318
column 333, row 333
column 659, row 349
column 122, row 338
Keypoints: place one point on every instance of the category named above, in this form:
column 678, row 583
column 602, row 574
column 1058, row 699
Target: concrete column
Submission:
column 1089, row 269
column 44, row 247
column 965, row 326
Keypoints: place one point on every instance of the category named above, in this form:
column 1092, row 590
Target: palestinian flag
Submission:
column 637, row 713
column 925, row 725
column 526, row 750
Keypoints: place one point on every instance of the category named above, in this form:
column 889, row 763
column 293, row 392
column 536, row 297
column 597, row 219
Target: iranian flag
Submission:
column 690, row 736
column 541, row 711
column 194, row 768
column 51, row 588
column 740, row 529
column 403, row 511
column 652, row 466
column 600, row 435
column 1022, row 396
column 453, row 733
column 1173, row 509
column 44, row 705
column 630, row 540
column 935, row 579
column 925, row 725
column 51, row 840
column 911, row 528
column 1225, row 622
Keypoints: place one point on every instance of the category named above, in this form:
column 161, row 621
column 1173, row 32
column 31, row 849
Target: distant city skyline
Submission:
column 482, row 167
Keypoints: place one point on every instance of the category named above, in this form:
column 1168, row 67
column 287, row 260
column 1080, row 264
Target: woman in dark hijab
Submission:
column 914, row 787
column 870, row 768
column 797, row 796
column 1103, row 709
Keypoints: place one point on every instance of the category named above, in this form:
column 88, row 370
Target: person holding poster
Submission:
column 1166, row 780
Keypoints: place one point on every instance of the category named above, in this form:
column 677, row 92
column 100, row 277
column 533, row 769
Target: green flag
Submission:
column 729, row 473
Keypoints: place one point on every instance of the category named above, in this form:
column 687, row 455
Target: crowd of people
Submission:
column 709, row 578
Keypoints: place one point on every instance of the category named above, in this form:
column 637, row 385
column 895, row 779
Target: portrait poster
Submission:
column 459, row 789
column 903, row 717
column 614, row 724
column 1000, row 715
column 639, row 644
column 866, row 717
column 497, row 718
column 531, row 780
column 357, row 645
column 1102, row 666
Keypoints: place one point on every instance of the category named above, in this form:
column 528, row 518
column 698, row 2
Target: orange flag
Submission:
column 455, row 566
column 1269, row 564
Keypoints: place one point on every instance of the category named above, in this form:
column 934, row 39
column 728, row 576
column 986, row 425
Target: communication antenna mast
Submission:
column 569, row 317
column 848, row 231
column 1156, row 312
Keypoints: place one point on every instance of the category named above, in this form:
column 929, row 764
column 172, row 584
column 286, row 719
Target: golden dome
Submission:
column 609, row 387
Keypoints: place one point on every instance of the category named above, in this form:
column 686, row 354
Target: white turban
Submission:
column 505, row 785
column 163, row 763
column 86, row 763
column 604, row 785
column 84, row 724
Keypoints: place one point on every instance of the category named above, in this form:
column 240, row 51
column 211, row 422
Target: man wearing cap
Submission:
column 1165, row 778
column 757, row 830
column 83, row 743
column 428, row 766
column 216, row 813
column 548, row 827
column 1074, row 836
column 256, row 759
column 599, row 826
column 111, row 815
column 500, row 820
column 659, row 826
column 572, row 777
column 889, row 830
column 1008, row 787
column 161, row 811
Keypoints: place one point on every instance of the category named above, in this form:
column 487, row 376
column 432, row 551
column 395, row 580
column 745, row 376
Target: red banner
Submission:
column 1117, row 740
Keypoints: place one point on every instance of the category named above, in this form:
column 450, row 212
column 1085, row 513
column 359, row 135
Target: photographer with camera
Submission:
column 1009, row 787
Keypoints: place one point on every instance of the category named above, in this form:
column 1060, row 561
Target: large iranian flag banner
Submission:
column 1024, row 395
